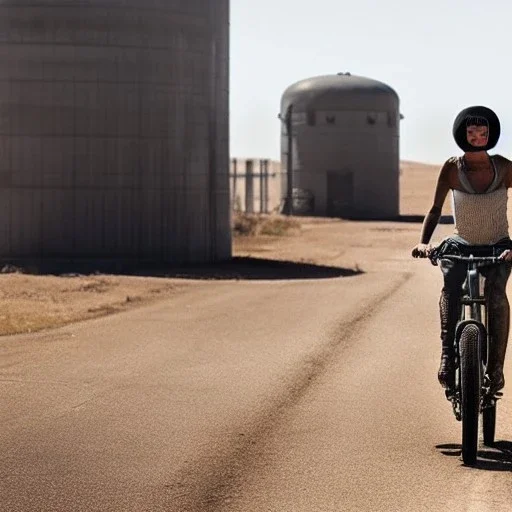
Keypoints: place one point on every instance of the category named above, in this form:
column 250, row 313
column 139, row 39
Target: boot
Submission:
column 449, row 309
column 499, row 313
column 446, row 372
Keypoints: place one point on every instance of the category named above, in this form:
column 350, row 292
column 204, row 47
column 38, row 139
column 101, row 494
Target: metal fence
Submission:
column 255, row 185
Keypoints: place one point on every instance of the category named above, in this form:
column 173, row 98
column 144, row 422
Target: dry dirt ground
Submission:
column 33, row 302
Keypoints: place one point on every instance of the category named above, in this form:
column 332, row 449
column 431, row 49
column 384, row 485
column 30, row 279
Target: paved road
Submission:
column 298, row 395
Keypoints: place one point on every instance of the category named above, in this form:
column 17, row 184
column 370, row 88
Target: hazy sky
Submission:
column 439, row 56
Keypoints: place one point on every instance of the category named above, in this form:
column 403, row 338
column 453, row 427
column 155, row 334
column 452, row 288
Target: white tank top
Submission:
column 480, row 218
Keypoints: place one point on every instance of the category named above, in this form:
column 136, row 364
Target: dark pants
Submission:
column 498, row 312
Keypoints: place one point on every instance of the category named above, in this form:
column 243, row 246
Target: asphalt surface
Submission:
column 293, row 395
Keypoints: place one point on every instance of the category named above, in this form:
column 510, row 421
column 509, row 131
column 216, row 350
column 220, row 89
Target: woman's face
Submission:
column 477, row 135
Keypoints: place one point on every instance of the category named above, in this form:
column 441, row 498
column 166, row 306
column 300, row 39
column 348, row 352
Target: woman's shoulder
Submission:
column 502, row 163
column 449, row 172
column 500, row 159
column 504, row 167
column 452, row 163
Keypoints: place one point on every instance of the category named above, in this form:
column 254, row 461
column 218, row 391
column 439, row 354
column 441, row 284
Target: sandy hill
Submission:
column 417, row 186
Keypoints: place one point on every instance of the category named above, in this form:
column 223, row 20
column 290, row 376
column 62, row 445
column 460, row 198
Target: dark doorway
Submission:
column 340, row 193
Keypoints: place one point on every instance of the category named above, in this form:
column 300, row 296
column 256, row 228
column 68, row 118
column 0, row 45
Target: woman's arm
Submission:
column 442, row 188
column 444, row 184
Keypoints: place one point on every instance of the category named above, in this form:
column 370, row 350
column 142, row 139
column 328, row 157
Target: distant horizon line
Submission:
column 402, row 161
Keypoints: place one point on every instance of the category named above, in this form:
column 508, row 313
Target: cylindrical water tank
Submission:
column 114, row 130
column 340, row 145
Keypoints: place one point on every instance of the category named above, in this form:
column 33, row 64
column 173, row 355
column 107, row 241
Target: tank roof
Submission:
column 343, row 90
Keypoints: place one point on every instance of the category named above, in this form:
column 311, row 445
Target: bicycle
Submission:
column 471, row 395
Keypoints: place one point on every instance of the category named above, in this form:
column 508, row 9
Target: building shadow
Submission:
column 444, row 219
column 246, row 268
column 238, row 268
column 495, row 458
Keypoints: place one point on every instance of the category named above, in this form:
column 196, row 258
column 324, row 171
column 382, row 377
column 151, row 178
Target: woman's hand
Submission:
column 423, row 250
column 506, row 255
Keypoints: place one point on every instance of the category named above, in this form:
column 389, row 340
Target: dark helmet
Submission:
column 479, row 116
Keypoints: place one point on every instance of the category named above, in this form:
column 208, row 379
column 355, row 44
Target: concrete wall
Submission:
column 114, row 129
column 255, row 185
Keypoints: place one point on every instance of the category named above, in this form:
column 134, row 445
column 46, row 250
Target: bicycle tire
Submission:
column 469, row 348
column 489, row 424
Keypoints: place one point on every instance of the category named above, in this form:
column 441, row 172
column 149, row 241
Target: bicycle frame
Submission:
column 472, row 301
column 473, row 297
column 471, row 394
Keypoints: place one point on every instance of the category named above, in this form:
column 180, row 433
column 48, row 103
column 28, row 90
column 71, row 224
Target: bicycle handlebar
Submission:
column 475, row 259
column 490, row 260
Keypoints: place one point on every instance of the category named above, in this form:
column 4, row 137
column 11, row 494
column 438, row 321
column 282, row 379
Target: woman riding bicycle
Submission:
column 479, row 184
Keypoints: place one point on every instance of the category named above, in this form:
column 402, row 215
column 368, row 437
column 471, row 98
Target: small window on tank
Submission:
column 371, row 118
column 330, row 119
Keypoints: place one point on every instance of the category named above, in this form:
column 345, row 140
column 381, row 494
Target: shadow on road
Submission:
column 256, row 268
column 238, row 268
column 444, row 219
column 451, row 450
column 495, row 458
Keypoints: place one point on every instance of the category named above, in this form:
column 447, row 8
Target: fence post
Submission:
column 233, row 195
column 262, row 200
column 249, row 187
column 265, row 185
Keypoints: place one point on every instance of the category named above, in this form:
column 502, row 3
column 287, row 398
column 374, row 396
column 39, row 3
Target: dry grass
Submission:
column 244, row 224
column 30, row 303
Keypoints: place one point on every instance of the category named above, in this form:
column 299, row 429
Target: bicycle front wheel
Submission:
column 469, row 348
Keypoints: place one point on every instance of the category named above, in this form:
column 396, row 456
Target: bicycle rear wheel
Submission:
column 489, row 424
column 469, row 348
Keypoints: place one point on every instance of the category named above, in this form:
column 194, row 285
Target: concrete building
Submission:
column 114, row 130
column 339, row 144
